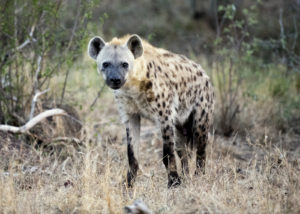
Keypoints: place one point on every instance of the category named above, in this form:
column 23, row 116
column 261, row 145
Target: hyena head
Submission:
column 114, row 59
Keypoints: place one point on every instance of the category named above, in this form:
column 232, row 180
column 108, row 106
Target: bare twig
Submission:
column 69, row 46
column 98, row 95
column 36, row 76
column 34, row 100
column 67, row 139
column 31, row 123
column 27, row 41
column 295, row 34
column 282, row 34
column 35, row 86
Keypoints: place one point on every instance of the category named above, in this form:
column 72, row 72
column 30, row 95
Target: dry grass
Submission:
column 90, row 180
column 243, row 175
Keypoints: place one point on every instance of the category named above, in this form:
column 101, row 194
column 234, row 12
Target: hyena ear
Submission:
column 134, row 44
column 95, row 46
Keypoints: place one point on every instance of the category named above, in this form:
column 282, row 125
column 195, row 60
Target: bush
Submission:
column 38, row 39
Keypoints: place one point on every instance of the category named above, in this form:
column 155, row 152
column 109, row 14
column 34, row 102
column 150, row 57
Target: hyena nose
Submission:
column 115, row 81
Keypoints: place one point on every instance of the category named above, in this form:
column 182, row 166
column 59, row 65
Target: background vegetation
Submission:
column 77, row 163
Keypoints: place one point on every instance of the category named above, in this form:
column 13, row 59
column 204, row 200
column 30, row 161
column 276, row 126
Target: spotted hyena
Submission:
column 167, row 88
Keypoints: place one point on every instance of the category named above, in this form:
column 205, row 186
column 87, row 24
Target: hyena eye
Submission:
column 105, row 64
column 125, row 65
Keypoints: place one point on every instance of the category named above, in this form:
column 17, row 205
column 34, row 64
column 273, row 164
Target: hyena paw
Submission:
column 173, row 180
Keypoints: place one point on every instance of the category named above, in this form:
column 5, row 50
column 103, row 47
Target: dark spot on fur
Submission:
column 203, row 128
column 166, row 137
column 201, row 99
column 160, row 113
column 149, row 99
column 168, row 55
column 202, row 113
column 158, row 67
column 150, row 64
column 164, row 104
column 148, row 74
column 206, row 83
column 148, row 85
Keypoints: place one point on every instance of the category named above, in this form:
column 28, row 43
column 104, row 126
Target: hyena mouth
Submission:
column 115, row 84
column 115, row 87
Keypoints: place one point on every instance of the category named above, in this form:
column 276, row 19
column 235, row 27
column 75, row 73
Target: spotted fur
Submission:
column 169, row 89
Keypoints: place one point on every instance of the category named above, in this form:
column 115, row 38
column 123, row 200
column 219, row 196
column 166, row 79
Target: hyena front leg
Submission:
column 133, row 136
column 168, row 154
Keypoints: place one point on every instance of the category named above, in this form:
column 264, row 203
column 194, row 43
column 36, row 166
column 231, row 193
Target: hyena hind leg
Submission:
column 184, row 141
column 200, row 138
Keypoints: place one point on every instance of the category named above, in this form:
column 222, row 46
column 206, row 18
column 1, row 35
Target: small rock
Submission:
column 138, row 207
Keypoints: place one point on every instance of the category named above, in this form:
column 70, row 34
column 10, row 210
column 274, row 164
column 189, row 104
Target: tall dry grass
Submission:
column 256, row 173
column 257, row 178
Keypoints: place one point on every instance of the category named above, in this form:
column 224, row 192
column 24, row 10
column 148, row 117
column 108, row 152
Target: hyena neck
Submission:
column 136, row 76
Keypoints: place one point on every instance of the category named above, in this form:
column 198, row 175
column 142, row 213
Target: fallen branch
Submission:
column 31, row 123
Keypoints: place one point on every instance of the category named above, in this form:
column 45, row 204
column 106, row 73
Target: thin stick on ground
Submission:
column 31, row 123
